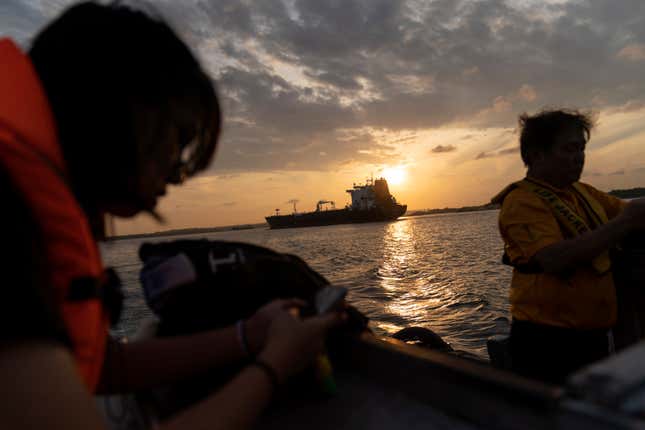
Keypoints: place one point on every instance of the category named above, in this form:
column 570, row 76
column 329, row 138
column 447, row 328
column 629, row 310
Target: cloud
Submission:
column 502, row 104
column 527, row 93
column 629, row 106
column 226, row 177
column 19, row 20
column 619, row 172
column 302, row 77
column 514, row 150
column 633, row 52
column 440, row 149
column 471, row 71
column 419, row 72
column 499, row 153
column 405, row 139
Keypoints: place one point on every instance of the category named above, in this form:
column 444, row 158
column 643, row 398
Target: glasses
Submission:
column 187, row 138
column 194, row 144
column 178, row 174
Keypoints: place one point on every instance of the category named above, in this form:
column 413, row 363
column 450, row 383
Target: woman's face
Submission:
column 159, row 147
column 156, row 169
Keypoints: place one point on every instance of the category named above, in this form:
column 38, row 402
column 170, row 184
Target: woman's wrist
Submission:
column 270, row 373
column 276, row 359
column 242, row 339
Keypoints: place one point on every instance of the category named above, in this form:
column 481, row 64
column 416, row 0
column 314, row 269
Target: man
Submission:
column 557, row 233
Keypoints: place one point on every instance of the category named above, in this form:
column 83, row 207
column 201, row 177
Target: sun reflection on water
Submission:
column 398, row 274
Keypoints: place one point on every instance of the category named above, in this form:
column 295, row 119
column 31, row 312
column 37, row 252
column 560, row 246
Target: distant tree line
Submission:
column 631, row 193
column 486, row 207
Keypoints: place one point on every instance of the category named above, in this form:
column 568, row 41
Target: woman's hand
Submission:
column 258, row 325
column 292, row 343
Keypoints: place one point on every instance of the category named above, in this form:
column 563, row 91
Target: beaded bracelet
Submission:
column 269, row 371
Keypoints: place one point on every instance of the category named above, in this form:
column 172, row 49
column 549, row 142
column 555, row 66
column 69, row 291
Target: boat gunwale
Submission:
column 470, row 390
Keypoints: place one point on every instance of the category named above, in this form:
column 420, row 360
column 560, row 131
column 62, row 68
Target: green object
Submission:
column 328, row 386
column 325, row 374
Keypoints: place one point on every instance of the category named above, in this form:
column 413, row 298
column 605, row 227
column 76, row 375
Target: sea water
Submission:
column 442, row 272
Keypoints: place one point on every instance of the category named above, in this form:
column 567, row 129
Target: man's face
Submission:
column 566, row 159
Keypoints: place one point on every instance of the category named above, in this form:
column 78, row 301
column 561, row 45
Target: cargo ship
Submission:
column 371, row 202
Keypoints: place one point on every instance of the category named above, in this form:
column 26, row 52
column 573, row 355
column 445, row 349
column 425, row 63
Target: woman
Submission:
column 108, row 107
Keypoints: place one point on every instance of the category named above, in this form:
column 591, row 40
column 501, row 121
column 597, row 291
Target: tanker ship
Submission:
column 371, row 202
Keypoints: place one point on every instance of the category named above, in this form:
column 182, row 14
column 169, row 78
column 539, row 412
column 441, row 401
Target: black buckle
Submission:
column 108, row 290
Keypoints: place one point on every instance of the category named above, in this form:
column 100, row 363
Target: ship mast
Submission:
column 294, row 201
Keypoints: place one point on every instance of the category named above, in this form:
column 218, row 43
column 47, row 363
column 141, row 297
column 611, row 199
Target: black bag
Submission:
column 197, row 285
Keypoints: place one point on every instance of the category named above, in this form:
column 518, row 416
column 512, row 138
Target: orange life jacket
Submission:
column 30, row 153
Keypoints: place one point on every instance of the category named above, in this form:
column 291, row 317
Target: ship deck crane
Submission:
column 321, row 203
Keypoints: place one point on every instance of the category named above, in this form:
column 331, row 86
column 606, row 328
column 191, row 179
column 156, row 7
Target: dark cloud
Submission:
column 439, row 149
column 483, row 155
column 619, row 172
column 249, row 147
column 304, row 77
column 499, row 153
column 19, row 19
column 226, row 177
column 507, row 151
column 276, row 106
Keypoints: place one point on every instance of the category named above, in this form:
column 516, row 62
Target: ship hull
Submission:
column 337, row 216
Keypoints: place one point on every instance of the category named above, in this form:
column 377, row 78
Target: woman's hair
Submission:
column 101, row 66
column 538, row 132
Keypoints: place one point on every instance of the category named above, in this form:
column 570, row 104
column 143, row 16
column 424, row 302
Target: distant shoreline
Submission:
column 487, row 207
column 631, row 193
column 186, row 231
column 206, row 230
column 623, row 194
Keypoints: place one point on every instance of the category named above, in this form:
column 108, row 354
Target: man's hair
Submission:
column 538, row 132
column 100, row 66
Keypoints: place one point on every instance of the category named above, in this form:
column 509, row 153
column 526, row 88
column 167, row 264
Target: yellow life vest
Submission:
column 568, row 219
column 584, row 298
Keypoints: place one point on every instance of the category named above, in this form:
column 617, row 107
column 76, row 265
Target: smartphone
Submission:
column 329, row 298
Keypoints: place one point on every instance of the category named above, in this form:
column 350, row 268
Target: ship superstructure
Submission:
column 375, row 193
column 371, row 202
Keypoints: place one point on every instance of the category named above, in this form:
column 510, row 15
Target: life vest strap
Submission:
column 528, row 268
column 107, row 289
column 592, row 206
column 569, row 219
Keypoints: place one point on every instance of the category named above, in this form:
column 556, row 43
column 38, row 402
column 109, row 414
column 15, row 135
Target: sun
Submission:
column 394, row 175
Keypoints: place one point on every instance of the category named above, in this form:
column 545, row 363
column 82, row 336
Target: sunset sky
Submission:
column 319, row 94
